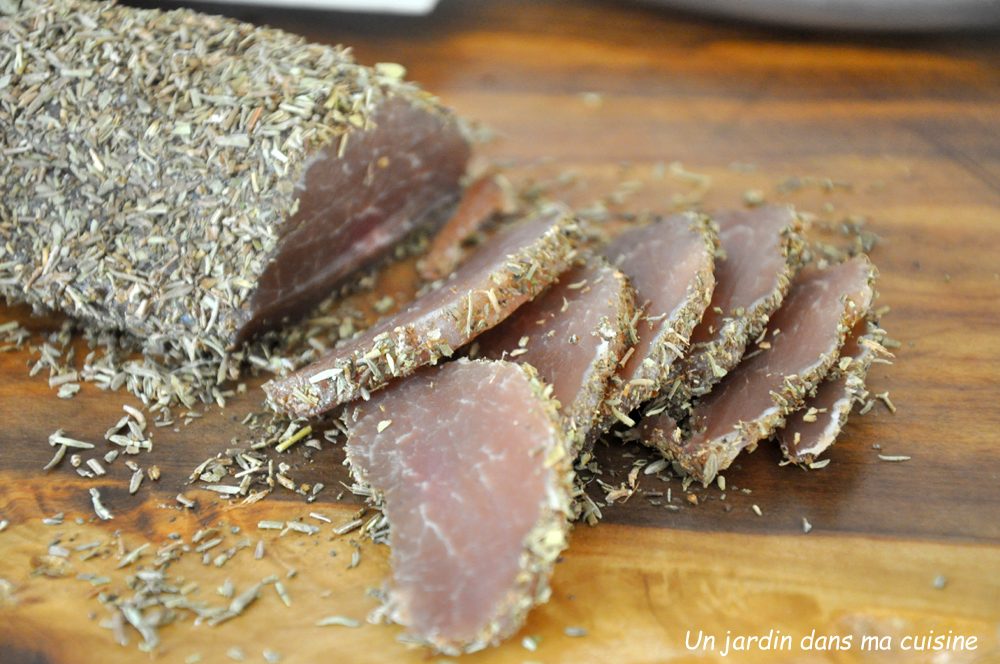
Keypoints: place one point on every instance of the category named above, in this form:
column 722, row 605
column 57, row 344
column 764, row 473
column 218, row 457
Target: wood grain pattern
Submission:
column 910, row 123
column 652, row 587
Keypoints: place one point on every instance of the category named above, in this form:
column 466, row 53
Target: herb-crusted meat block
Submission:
column 574, row 334
column 803, row 341
column 501, row 276
column 669, row 263
column 763, row 250
column 197, row 181
column 814, row 427
column 475, row 476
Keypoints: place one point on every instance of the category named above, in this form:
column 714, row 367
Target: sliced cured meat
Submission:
column 813, row 428
column 475, row 476
column 574, row 334
column 669, row 263
column 213, row 199
column 763, row 251
column 482, row 200
column 501, row 276
column 658, row 430
column 801, row 345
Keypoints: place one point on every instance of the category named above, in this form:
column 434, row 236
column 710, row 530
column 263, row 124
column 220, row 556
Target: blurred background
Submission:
column 902, row 15
column 594, row 84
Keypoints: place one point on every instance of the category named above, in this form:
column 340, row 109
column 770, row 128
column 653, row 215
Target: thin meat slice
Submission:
column 814, row 427
column 483, row 199
column 475, row 476
column 504, row 274
column 802, row 344
column 669, row 263
column 574, row 334
column 763, row 251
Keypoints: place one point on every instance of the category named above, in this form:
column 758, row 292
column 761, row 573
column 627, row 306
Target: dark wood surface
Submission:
column 909, row 130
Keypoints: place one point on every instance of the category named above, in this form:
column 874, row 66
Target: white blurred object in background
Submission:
column 853, row 14
column 413, row 7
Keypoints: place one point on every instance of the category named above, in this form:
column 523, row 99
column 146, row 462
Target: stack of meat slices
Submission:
column 814, row 427
column 799, row 348
column 520, row 262
column 705, row 335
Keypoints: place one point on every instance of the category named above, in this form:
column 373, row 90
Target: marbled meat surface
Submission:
column 474, row 473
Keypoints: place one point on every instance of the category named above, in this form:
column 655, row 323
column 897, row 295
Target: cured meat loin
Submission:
column 513, row 268
column 669, row 263
column 574, row 334
column 198, row 200
column 814, row 427
column 484, row 199
column 475, row 476
column 802, row 344
column 763, row 251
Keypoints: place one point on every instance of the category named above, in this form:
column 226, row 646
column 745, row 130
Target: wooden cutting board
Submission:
column 902, row 131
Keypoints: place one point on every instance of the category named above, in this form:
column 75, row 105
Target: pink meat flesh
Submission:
column 750, row 284
column 354, row 208
column 804, row 337
column 460, row 454
column 803, row 441
column 669, row 263
column 573, row 335
column 483, row 292
column 481, row 201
